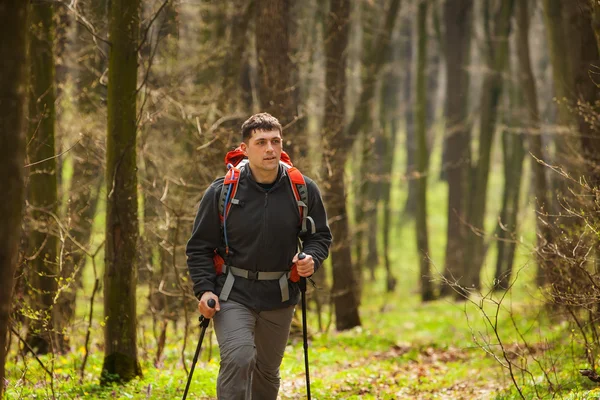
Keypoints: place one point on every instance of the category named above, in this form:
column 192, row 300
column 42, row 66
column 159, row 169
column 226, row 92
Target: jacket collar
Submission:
column 281, row 173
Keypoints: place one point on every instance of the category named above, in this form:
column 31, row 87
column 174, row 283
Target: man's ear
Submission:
column 244, row 147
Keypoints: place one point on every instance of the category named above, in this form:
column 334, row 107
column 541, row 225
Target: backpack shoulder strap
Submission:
column 229, row 189
column 300, row 190
column 227, row 197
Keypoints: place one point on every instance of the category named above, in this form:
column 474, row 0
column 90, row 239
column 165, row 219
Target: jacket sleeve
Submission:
column 318, row 243
column 206, row 237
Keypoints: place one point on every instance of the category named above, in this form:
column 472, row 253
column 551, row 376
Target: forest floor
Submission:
column 421, row 377
column 403, row 350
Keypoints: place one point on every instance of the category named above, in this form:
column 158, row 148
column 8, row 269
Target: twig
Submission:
column 32, row 351
column 87, row 25
column 50, row 158
column 590, row 374
column 89, row 329
column 145, row 35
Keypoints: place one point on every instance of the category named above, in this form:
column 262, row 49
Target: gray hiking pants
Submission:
column 251, row 346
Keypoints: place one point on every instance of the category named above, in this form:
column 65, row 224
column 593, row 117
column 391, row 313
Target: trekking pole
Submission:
column 302, row 284
column 203, row 324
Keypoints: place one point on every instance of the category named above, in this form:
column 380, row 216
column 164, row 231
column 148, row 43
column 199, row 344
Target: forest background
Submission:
column 456, row 144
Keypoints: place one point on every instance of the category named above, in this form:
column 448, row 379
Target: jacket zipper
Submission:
column 264, row 244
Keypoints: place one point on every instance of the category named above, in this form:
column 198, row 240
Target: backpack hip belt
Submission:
column 232, row 272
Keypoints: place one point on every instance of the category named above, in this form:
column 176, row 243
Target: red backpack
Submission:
column 236, row 161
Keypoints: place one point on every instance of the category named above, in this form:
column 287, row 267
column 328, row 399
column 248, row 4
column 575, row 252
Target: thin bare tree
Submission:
column 13, row 90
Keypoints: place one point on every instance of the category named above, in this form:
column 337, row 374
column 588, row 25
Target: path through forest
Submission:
column 390, row 375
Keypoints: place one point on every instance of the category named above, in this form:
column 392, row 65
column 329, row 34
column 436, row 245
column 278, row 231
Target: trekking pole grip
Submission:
column 205, row 321
column 302, row 283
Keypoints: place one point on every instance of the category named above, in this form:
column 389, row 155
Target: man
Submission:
column 255, row 305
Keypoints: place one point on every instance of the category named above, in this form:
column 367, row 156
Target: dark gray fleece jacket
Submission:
column 262, row 231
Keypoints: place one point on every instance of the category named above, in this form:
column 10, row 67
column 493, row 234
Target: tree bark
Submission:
column 87, row 155
column 377, row 56
column 84, row 195
column 89, row 72
column 585, row 69
column 427, row 292
column 42, row 185
column 236, row 61
column 595, row 7
column 534, row 138
column 410, row 205
column 496, row 60
column 458, row 18
column 374, row 195
column 390, row 115
column 573, row 88
column 562, row 71
column 344, row 286
column 422, row 161
column 13, row 90
column 361, row 183
column 506, row 233
column 276, row 88
column 120, row 354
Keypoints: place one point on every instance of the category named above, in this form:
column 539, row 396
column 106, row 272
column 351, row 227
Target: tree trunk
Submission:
column 595, row 8
column 370, row 166
column 42, row 185
column 572, row 46
column 367, row 197
column 390, row 115
column 586, row 91
column 374, row 195
column 458, row 16
column 410, row 205
column 513, row 151
column 236, row 61
column 506, row 233
column 527, row 80
column 497, row 57
column 13, row 100
column 513, row 214
column 427, row 293
column 120, row 353
column 555, row 15
column 84, row 194
column 377, row 55
column 391, row 121
column 344, row 287
column 161, row 234
column 361, row 167
column 276, row 89
column 91, row 53
column 87, row 155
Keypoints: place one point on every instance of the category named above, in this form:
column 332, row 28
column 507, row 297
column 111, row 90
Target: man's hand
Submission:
column 205, row 310
column 306, row 266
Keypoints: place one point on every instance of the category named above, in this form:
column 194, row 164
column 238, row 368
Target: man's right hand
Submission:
column 205, row 310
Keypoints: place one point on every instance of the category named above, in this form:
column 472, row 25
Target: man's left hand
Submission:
column 306, row 266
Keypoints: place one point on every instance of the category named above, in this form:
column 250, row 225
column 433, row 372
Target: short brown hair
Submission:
column 260, row 122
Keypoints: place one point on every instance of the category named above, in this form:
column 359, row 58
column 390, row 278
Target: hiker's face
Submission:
column 264, row 150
